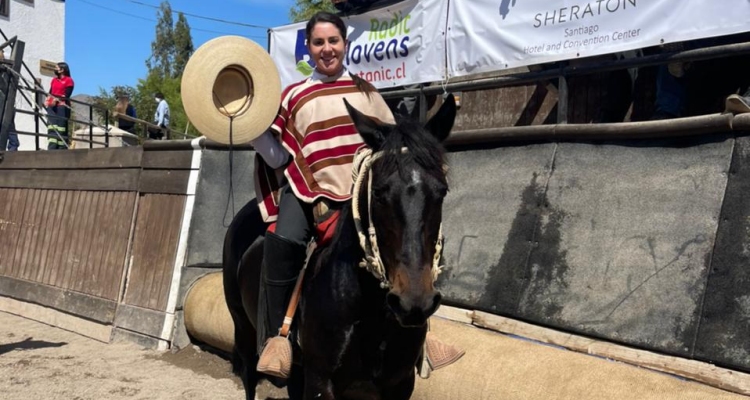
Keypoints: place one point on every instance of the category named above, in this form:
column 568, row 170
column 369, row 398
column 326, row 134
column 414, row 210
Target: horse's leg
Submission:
column 296, row 383
column 246, row 228
column 402, row 390
column 318, row 386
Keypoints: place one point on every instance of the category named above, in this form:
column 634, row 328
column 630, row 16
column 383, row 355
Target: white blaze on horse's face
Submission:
column 416, row 179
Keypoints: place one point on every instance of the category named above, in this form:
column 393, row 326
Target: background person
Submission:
column 161, row 118
column 58, row 107
column 123, row 107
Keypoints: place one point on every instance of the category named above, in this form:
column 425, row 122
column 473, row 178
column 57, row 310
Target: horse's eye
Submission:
column 380, row 193
column 442, row 192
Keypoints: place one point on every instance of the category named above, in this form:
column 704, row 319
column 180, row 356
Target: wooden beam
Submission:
column 82, row 305
column 61, row 179
column 103, row 158
column 709, row 374
column 168, row 159
column 141, row 320
column 164, row 181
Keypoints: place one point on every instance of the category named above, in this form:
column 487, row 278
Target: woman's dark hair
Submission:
column 64, row 67
column 324, row 16
column 159, row 95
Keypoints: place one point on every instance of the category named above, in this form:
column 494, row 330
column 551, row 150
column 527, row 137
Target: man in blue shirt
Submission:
column 161, row 118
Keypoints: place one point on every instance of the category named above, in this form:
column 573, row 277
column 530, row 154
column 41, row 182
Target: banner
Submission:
column 490, row 35
column 398, row 45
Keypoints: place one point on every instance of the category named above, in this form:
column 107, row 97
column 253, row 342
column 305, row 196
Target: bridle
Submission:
column 372, row 261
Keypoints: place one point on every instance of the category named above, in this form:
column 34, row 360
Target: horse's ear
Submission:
column 372, row 132
column 441, row 123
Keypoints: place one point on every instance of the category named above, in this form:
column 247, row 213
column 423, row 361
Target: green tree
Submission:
column 302, row 10
column 183, row 45
column 170, row 50
column 163, row 46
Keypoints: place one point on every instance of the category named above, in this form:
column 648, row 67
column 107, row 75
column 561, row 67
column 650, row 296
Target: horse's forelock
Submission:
column 423, row 148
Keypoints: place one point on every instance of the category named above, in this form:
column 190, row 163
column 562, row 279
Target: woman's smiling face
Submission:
column 327, row 48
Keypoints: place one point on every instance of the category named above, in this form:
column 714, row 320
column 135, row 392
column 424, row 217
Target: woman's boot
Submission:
column 282, row 262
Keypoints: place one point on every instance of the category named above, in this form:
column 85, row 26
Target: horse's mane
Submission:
column 423, row 149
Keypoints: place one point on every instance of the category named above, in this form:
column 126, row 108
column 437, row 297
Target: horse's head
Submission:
column 407, row 190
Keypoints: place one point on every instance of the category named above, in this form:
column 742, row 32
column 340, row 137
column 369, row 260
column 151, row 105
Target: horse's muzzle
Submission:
column 413, row 311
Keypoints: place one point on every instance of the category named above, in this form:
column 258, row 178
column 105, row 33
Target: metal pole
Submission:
column 9, row 111
column 91, row 126
column 38, row 99
column 106, row 128
column 562, row 100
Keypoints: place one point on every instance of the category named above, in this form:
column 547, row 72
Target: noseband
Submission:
column 362, row 164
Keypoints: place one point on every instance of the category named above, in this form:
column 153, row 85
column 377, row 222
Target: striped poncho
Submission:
column 315, row 128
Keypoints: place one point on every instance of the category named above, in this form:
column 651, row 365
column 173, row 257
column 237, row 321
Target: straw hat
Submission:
column 231, row 76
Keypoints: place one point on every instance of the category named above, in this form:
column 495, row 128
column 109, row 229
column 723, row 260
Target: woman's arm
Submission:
column 273, row 153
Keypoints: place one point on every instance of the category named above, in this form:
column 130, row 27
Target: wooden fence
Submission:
column 95, row 234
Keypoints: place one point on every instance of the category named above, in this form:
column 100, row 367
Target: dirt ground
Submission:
column 38, row 361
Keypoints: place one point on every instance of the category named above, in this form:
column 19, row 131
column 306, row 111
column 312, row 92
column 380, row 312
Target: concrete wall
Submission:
column 41, row 25
column 611, row 240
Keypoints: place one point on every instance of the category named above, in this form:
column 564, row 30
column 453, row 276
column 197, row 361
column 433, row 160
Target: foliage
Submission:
column 302, row 10
column 183, row 45
column 170, row 50
column 162, row 48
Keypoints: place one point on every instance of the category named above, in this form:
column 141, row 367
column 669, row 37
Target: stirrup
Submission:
column 439, row 354
column 276, row 358
column 736, row 104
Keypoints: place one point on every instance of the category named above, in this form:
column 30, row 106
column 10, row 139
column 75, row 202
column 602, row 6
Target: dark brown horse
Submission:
column 358, row 336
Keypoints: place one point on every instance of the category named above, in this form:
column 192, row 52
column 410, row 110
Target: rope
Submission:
column 372, row 262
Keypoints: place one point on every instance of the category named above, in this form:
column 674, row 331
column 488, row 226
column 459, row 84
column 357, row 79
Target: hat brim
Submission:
column 201, row 72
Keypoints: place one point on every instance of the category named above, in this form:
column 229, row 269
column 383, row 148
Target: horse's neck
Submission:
column 345, row 251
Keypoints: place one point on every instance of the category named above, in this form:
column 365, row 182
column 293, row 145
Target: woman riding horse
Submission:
column 314, row 128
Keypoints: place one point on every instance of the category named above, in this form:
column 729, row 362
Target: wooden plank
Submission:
column 455, row 314
column 48, row 229
column 9, row 227
column 154, row 261
column 62, row 245
column 117, row 257
column 176, row 206
column 100, row 272
column 84, row 243
column 140, row 320
column 77, row 242
column 708, row 374
column 50, row 316
column 93, row 308
column 167, row 159
column 545, row 335
column 104, row 158
column 88, row 179
column 51, row 258
column 137, row 274
column 93, row 233
column 164, row 181
column 27, row 233
column 154, row 250
column 37, row 270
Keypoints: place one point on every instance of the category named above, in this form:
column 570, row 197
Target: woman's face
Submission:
column 327, row 48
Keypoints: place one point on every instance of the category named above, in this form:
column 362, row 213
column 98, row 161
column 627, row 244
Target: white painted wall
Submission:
column 41, row 25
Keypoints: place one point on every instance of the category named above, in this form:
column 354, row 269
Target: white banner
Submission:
column 490, row 35
column 398, row 45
